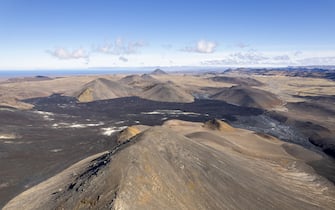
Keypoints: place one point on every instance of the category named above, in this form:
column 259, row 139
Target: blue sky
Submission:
column 41, row 34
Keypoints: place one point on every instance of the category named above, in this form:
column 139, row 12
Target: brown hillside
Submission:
column 167, row 92
column 139, row 80
column 101, row 89
column 245, row 81
column 247, row 96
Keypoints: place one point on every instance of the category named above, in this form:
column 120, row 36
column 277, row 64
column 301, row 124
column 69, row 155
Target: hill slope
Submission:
column 186, row 166
column 245, row 81
column 247, row 96
column 139, row 80
column 100, row 89
column 167, row 92
column 158, row 72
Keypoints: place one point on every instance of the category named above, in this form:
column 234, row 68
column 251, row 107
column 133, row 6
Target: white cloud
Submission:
column 249, row 57
column 120, row 47
column 65, row 54
column 242, row 45
column 124, row 59
column 206, row 46
column 202, row 46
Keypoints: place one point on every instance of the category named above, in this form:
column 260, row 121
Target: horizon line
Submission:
column 160, row 67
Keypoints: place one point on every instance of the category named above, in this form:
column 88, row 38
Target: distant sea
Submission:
column 69, row 72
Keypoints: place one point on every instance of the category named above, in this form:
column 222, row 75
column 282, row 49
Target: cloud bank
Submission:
column 255, row 58
column 318, row 60
column 120, row 47
column 251, row 57
column 128, row 53
column 65, row 54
